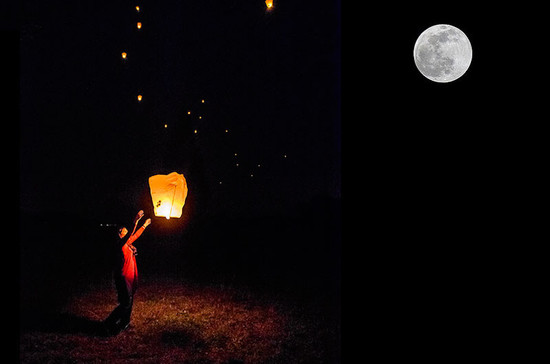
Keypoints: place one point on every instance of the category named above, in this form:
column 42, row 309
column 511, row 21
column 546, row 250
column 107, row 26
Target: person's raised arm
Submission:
column 136, row 220
column 137, row 234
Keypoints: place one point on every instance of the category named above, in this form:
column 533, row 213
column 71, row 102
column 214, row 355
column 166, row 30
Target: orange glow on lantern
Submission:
column 269, row 3
column 139, row 25
column 124, row 55
column 168, row 193
column 139, row 97
column 137, row 8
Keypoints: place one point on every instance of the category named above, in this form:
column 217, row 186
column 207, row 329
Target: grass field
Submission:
column 175, row 322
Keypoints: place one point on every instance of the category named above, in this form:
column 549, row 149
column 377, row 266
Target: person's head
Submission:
column 122, row 231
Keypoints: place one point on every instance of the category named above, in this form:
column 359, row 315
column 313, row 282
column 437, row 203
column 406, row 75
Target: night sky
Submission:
column 420, row 158
column 270, row 81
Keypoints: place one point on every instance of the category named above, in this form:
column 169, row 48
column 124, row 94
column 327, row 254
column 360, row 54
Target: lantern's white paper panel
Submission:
column 168, row 193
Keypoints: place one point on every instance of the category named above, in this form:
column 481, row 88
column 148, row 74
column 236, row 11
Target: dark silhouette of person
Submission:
column 125, row 275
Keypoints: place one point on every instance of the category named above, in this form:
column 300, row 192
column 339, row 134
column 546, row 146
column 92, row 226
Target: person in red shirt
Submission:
column 126, row 277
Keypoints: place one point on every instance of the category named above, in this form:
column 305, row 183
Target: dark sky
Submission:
column 440, row 159
column 272, row 79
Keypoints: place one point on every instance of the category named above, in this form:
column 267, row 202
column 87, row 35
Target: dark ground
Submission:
column 288, row 263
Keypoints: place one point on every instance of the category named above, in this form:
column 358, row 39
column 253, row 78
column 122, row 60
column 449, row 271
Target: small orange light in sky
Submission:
column 137, row 8
column 124, row 55
column 189, row 113
column 196, row 131
column 165, row 125
column 202, row 101
column 269, row 3
column 139, row 97
column 139, row 25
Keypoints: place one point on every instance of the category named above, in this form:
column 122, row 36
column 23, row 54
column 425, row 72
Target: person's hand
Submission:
column 147, row 222
column 138, row 216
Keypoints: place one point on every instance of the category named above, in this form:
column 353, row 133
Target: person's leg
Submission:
column 119, row 319
column 113, row 320
column 126, row 313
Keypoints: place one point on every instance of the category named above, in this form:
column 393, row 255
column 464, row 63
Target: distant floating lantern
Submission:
column 124, row 55
column 137, row 9
column 269, row 3
column 168, row 193
column 139, row 25
column 202, row 101
column 139, row 97
column 189, row 113
column 195, row 131
column 165, row 125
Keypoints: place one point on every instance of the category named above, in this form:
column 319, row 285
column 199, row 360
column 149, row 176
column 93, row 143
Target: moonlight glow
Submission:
column 442, row 53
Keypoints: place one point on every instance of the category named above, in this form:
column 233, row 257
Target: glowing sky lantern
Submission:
column 139, row 25
column 124, row 55
column 269, row 3
column 168, row 193
column 139, row 97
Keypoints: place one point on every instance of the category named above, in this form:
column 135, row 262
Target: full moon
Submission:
column 442, row 53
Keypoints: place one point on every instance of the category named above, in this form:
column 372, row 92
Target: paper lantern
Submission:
column 139, row 97
column 124, row 55
column 269, row 3
column 139, row 25
column 168, row 193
